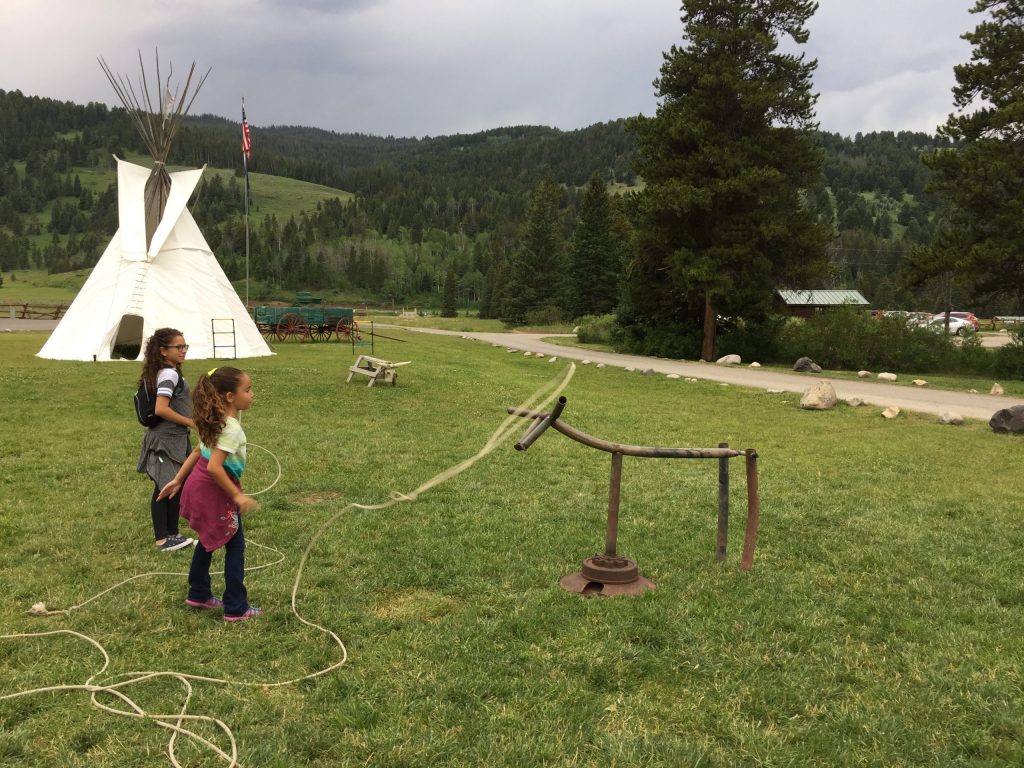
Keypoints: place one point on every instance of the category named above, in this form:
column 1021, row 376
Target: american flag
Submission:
column 246, row 143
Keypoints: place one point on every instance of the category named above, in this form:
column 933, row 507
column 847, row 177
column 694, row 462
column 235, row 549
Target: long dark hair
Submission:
column 153, row 362
column 209, row 407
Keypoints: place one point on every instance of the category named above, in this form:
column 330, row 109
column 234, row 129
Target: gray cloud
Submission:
column 408, row 67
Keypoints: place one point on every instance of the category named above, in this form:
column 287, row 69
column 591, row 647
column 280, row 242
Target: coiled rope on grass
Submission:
column 175, row 722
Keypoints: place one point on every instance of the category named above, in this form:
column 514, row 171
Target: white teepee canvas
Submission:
column 175, row 283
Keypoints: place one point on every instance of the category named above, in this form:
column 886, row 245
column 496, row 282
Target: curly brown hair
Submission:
column 153, row 361
column 209, row 407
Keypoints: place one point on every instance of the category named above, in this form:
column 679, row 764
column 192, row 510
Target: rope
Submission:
column 175, row 722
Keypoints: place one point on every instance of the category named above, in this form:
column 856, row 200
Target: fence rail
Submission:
column 29, row 311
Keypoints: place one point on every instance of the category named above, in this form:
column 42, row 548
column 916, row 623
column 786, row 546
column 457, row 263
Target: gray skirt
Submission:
column 164, row 449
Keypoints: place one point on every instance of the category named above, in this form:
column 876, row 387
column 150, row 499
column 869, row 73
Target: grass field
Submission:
column 880, row 625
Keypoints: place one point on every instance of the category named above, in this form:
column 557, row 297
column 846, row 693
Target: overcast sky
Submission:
column 435, row 67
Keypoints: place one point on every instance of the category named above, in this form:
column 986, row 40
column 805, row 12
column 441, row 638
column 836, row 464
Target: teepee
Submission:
column 158, row 271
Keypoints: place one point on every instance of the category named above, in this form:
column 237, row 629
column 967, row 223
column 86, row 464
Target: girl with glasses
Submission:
column 166, row 445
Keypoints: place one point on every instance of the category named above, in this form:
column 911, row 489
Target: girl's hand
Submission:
column 169, row 490
column 245, row 503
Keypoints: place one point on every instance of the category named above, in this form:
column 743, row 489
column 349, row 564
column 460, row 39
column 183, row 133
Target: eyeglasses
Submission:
column 179, row 347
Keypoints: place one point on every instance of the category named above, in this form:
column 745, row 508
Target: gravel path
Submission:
column 923, row 399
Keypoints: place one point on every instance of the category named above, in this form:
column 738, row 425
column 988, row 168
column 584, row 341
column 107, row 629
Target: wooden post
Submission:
column 723, row 504
column 753, row 512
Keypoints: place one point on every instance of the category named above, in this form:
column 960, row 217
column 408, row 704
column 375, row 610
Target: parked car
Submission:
column 957, row 325
column 968, row 316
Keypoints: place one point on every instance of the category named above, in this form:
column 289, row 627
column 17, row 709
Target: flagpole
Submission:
column 245, row 216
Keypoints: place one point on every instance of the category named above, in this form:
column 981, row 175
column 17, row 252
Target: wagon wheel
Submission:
column 320, row 331
column 347, row 328
column 292, row 326
column 266, row 330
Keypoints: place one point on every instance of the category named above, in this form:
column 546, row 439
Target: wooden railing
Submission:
column 28, row 311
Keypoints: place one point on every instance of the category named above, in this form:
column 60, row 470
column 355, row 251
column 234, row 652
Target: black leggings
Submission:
column 165, row 515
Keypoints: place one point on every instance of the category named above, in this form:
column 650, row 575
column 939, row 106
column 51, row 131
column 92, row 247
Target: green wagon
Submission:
column 306, row 323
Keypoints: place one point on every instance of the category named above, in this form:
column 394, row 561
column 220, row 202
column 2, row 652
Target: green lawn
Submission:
column 880, row 625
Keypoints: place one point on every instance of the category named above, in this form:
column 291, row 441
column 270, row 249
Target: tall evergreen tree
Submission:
column 594, row 258
column 448, row 296
column 536, row 276
column 982, row 178
column 721, row 222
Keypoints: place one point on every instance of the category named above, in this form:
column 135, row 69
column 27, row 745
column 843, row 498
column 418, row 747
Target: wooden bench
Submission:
column 376, row 369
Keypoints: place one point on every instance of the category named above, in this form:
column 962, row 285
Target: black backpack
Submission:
column 145, row 404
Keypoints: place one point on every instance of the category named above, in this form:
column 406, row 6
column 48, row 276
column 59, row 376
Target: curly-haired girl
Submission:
column 165, row 445
column 212, row 499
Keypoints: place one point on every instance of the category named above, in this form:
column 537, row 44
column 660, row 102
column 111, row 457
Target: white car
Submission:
column 957, row 325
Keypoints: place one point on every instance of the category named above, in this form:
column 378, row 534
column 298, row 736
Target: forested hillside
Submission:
column 470, row 210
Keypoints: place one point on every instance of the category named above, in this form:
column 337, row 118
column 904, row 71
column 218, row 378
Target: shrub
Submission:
column 544, row 316
column 597, row 329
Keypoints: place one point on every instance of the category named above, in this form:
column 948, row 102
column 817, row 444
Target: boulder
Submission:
column 584, row 362
column 552, row 359
column 806, row 365
column 599, row 365
column 755, row 365
column 887, row 377
column 775, row 391
column 891, row 412
column 673, row 376
column 693, row 381
column 997, row 389
column 1008, row 420
column 527, row 354
column 920, row 383
column 647, row 371
column 949, row 417
column 629, row 369
column 729, row 360
column 863, row 374
column 855, row 402
column 819, row 397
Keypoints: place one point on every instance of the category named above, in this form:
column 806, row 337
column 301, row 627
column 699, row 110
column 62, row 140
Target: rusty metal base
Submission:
column 607, row 576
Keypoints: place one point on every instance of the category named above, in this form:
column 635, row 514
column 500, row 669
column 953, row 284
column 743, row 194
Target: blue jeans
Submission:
column 235, row 596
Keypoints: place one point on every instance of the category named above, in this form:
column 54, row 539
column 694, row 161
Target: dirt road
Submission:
column 923, row 399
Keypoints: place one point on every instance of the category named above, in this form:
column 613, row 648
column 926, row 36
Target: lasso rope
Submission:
column 174, row 722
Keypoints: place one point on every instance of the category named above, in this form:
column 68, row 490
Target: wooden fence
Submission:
column 21, row 311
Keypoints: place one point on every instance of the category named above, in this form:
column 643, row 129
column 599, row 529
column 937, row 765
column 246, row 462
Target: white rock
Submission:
column 951, row 417
column 672, row 376
column 723, row 384
column 887, row 376
column 891, row 412
column 584, row 362
column 920, row 383
column 693, row 381
column 755, row 365
column 599, row 365
column 819, row 397
column 527, row 354
column 775, row 391
column 552, row 359
column 863, row 374
column 855, row 402
column 729, row 360
column 629, row 369
column 973, row 391
column 997, row 389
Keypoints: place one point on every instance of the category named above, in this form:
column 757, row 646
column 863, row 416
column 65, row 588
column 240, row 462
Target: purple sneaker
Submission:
column 212, row 602
column 251, row 613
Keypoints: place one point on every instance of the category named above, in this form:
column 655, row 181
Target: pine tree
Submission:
column 448, row 308
column 594, row 259
column 982, row 178
column 721, row 222
column 536, row 275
